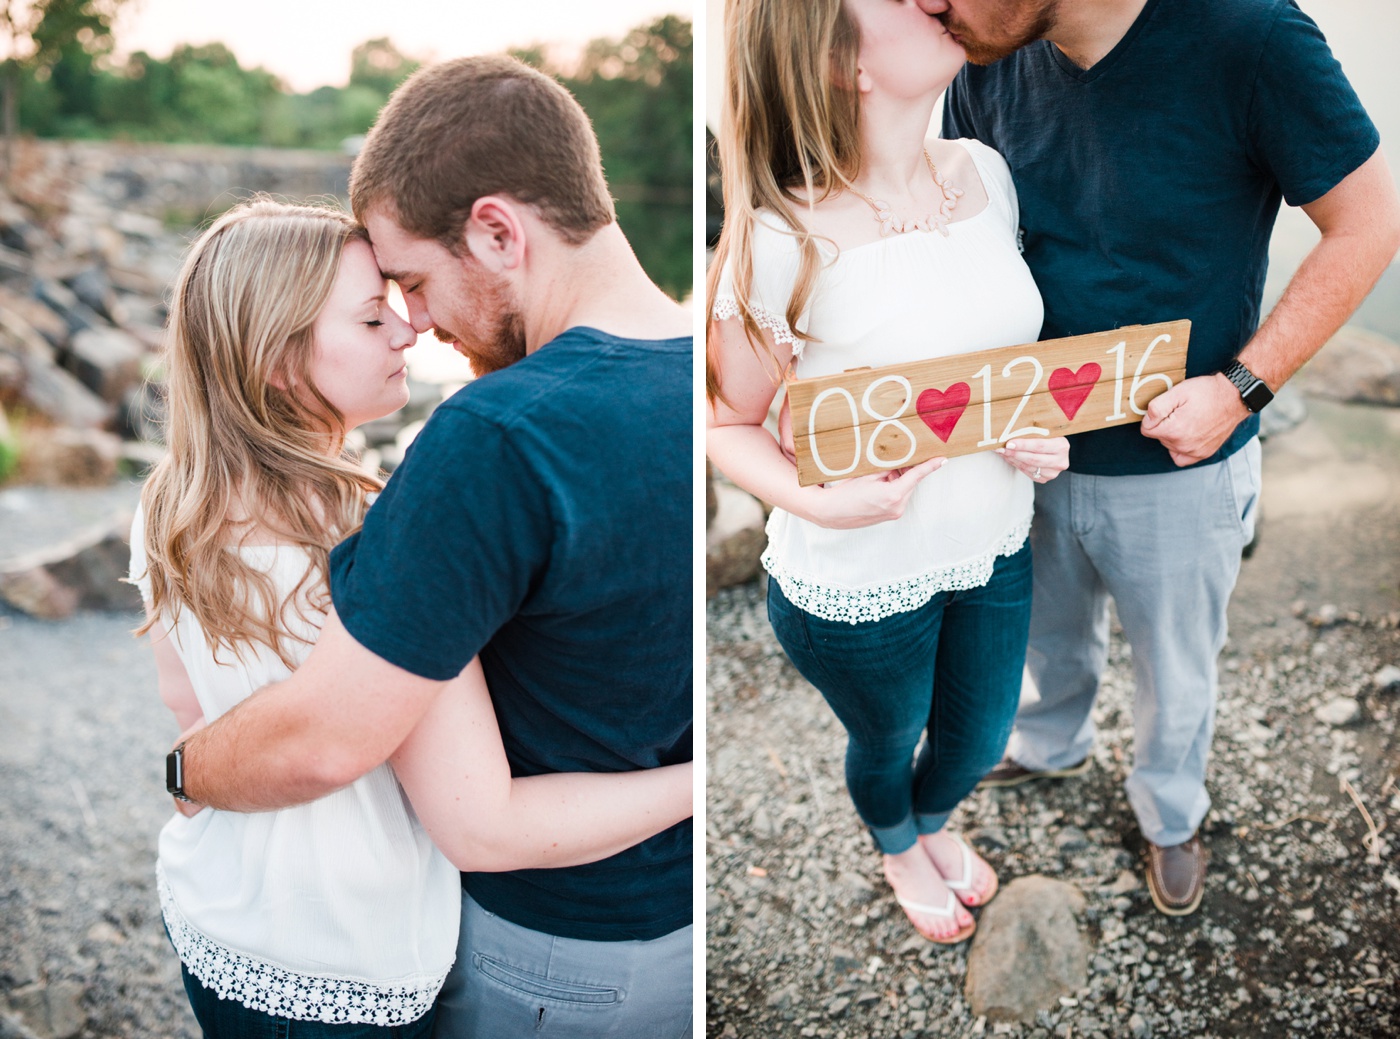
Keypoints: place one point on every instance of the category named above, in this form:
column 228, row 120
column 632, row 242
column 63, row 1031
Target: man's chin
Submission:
column 484, row 362
column 979, row 53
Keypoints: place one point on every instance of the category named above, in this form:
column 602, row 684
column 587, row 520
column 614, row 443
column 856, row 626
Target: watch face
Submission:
column 1257, row 396
column 174, row 772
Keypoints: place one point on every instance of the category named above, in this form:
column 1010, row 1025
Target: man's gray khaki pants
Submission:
column 1167, row 548
column 510, row 981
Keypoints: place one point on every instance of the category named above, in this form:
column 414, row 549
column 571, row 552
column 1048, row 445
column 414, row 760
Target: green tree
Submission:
column 380, row 66
column 638, row 92
column 56, row 40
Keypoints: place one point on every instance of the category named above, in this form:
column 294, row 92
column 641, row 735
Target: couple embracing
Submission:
column 435, row 777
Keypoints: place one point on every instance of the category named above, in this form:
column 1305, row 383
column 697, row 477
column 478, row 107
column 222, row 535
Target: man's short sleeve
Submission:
column 449, row 551
column 1307, row 127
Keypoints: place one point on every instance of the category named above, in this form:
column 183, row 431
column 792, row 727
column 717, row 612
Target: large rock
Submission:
column 64, row 549
column 735, row 538
column 36, row 318
column 1028, row 951
column 64, row 302
column 58, row 395
column 50, row 1010
column 93, row 288
column 83, row 573
column 64, row 457
column 18, row 336
column 1356, row 366
column 106, row 361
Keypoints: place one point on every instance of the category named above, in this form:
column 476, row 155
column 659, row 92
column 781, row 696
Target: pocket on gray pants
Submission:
column 537, row 986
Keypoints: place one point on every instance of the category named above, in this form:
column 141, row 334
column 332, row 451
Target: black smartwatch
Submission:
column 175, row 773
column 1253, row 390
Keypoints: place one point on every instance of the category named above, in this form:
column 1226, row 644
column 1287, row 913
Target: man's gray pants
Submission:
column 510, row 981
column 1167, row 548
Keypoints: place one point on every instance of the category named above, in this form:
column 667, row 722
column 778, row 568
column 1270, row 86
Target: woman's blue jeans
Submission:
column 227, row 1019
column 951, row 668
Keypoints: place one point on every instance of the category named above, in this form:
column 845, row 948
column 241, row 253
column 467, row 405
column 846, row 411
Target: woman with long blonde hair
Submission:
column 853, row 239
column 341, row 911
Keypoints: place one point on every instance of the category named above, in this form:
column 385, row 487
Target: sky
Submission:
column 308, row 42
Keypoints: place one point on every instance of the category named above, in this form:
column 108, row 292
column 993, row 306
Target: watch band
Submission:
column 175, row 773
column 1254, row 392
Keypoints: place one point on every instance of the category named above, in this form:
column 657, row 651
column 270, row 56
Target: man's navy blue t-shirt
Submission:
column 542, row 519
column 1149, row 183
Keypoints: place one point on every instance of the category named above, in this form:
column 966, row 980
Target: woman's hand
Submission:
column 1041, row 460
column 866, row 500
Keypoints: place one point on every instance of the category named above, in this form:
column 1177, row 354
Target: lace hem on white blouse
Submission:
column 270, row 989
column 765, row 319
column 881, row 601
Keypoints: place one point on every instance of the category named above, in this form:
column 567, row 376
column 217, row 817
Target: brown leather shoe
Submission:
column 1176, row 876
column 1008, row 773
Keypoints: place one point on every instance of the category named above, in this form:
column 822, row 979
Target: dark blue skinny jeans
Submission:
column 951, row 669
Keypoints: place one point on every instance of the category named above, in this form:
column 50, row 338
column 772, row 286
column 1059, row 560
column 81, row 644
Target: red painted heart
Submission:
column 1072, row 389
column 941, row 410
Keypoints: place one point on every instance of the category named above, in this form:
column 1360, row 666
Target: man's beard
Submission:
column 1016, row 31
column 498, row 347
column 497, row 327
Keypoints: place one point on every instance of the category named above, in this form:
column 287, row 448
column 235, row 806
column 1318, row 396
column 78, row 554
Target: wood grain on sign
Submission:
column 871, row 420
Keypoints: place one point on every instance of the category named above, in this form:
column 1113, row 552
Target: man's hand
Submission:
column 1194, row 417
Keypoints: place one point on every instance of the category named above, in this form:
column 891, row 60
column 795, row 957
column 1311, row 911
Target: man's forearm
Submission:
column 261, row 756
column 1325, row 291
column 1357, row 245
column 342, row 713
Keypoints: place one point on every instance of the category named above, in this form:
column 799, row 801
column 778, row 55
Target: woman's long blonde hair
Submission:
column 252, row 443
column 790, row 118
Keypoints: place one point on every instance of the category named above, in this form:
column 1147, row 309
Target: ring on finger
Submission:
column 1036, row 475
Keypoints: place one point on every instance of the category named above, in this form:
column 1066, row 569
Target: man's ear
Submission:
column 495, row 233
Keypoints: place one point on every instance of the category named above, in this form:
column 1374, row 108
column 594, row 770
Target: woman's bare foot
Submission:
column 926, row 900
column 966, row 874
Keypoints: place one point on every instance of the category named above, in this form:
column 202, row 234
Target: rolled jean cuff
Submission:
column 892, row 840
column 927, row 823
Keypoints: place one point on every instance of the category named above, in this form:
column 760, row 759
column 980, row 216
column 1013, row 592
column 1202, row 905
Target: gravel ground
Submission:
column 83, row 736
column 1296, row 935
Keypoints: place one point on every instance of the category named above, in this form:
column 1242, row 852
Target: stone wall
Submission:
column 176, row 183
column 91, row 238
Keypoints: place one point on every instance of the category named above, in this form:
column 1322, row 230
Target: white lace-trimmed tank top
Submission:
column 339, row 911
column 908, row 297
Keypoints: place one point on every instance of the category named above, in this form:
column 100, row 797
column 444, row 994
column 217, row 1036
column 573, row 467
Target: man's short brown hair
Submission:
column 486, row 125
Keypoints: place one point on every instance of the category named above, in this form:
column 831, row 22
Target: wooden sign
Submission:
column 871, row 420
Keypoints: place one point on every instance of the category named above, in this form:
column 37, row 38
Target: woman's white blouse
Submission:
column 340, row 910
column 907, row 297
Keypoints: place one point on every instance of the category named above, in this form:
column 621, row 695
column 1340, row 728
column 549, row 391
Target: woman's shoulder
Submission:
column 775, row 233
column 775, row 249
column 990, row 163
column 970, row 161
